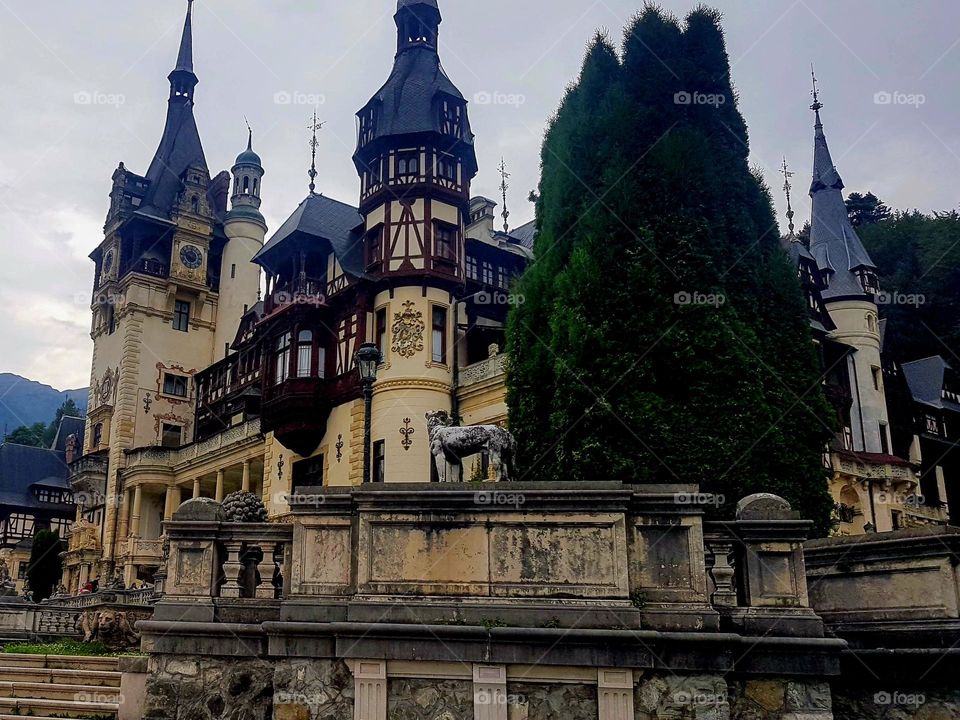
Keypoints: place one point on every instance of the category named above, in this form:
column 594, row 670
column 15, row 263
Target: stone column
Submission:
column 196, row 487
column 245, row 484
column 135, row 518
column 370, row 690
column 168, row 507
column 615, row 694
column 490, row 692
column 218, row 496
column 124, row 528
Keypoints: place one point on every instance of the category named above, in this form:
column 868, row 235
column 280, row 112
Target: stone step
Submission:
column 19, row 707
column 103, row 678
column 59, row 691
column 59, row 662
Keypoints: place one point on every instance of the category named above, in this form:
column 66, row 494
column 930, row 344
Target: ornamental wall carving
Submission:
column 408, row 327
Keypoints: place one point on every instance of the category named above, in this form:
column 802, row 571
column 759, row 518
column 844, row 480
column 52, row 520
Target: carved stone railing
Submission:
column 488, row 369
column 144, row 548
column 167, row 457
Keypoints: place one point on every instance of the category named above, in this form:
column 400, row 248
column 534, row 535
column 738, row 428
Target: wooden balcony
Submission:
column 297, row 409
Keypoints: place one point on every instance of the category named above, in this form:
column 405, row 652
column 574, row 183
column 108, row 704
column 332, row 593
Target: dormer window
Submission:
column 451, row 118
column 408, row 163
column 368, row 124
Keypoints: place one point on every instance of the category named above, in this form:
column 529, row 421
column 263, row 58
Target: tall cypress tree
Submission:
column 631, row 383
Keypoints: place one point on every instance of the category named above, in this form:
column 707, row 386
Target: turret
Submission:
column 246, row 230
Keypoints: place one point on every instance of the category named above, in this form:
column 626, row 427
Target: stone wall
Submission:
column 779, row 699
column 192, row 688
column 551, row 701
column 416, row 699
column 686, row 697
column 315, row 688
column 902, row 703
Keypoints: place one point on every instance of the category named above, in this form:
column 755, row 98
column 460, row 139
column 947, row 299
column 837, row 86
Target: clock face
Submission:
column 108, row 261
column 191, row 257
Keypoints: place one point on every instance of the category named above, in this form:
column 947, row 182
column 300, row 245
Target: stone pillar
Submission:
column 168, row 506
column 124, row 528
column 218, row 495
column 370, row 690
column 196, row 487
column 245, row 483
column 614, row 694
column 135, row 518
column 490, row 692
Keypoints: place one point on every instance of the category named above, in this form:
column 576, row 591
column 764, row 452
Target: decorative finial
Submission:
column 503, row 190
column 249, row 129
column 817, row 105
column 787, row 188
column 313, row 127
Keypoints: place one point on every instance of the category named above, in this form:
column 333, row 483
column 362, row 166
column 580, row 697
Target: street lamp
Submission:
column 367, row 359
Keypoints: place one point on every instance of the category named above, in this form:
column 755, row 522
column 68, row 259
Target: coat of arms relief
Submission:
column 407, row 330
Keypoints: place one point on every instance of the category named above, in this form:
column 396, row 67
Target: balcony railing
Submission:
column 152, row 267
column 488, row 369
column 302, row 291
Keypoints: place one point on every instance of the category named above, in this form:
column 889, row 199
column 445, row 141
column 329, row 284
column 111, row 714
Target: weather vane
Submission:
column 313, row 127
column 817, row 105
column 787, row 188
column 503, row 190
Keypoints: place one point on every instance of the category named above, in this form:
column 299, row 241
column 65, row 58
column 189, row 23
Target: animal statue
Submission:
column 110, row 627
column 449, row 444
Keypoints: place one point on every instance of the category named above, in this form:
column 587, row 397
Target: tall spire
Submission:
column 185, row 58
column 833, row 241
column 503, row 190
column 313, row 127
column 787, row 188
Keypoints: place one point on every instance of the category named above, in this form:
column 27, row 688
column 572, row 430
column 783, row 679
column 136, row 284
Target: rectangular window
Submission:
column 233, row 272
column 61, row 526
column 305, row 354
column 487, row 278
column 381, row 330
column 111, row 319
column 379, row 457
column 282, row 359
column 308, row 473
column 877, row 378
column 473, row 268
column 181, row 315
column 439, row 334
column 97, row 436
column 445, row 242
column 174, row 385
column 171, row 436
column 447, row 167
column 884, row 444
column 408, row 164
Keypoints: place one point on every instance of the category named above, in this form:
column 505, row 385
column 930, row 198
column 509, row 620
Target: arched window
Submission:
column 195, row 204
column 246, row 183
column 282, row 359
column 256, row 187
column 305, row 354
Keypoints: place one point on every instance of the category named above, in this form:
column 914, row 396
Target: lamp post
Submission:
column 367, row 359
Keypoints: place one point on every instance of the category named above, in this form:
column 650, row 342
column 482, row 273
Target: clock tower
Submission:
column 159, row 279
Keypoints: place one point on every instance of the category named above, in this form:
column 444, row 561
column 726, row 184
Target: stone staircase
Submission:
column 44, row 687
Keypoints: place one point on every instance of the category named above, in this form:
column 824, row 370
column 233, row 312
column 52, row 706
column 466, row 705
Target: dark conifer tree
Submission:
column 677, row 347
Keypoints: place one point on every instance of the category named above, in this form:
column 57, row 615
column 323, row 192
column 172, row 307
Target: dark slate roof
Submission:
column 68, row 426
column 409, row 3
column 525, row 234
column 925, row 380
column 180, row 145
column 833, row 241
column 22, row 467
column 320, row 218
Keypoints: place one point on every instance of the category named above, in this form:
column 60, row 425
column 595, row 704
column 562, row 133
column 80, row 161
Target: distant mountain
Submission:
column 24, row 402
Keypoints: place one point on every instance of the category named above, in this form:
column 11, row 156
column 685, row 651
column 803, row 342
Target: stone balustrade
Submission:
column 493, row 367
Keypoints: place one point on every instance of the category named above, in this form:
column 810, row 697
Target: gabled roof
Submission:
column 925, row 379
column 833, row 241
column 22, row 467
column 69, row 425
column 525, row 234
column 316, row 219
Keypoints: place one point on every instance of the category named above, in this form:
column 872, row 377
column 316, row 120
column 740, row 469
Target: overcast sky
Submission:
column 85, row 87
